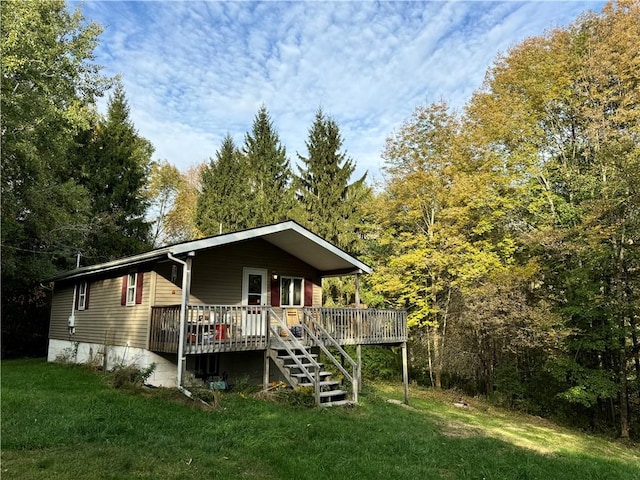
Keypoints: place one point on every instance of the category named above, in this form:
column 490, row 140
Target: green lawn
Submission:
column 61, row 421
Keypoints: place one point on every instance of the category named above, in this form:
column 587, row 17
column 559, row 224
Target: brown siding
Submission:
column 106, row 321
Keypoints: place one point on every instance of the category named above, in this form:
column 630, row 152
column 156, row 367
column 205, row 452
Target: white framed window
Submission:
column 83, row 292
column 131, row 288
column 291, row 291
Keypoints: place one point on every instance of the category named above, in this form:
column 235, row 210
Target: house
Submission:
column 243, row 305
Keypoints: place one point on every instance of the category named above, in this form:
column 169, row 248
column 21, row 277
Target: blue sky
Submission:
column 195, row 71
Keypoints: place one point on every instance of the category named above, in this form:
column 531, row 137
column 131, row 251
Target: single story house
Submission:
column 242, row 305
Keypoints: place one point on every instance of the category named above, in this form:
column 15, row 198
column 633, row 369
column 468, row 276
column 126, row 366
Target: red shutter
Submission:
column 275, row 292
column 86, row 297
column 123, row 296
column 308, row 292
column 77, row 299
column 139, row 285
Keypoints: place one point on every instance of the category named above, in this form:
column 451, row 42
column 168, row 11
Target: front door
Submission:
column 254, row 294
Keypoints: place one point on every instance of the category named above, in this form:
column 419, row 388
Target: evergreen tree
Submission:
column 224, row 202
column 118, row 161
column 330, row 204
column 268, row 173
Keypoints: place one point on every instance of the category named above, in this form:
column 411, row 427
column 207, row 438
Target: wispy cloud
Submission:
column 195, row 71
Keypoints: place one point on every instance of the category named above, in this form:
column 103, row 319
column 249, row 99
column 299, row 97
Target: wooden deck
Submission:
column 230, row 328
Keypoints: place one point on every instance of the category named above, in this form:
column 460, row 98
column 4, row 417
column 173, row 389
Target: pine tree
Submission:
column 224, row 202
column 119, row 163
column 329, row 202
column 268, row 173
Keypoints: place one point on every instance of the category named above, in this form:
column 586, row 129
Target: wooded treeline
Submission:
column 509, row 230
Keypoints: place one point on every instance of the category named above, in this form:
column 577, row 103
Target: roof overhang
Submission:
column 288, row 236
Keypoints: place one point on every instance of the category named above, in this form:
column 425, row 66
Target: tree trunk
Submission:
column 636, row 347
column 429, row 358
column 437, row 360
column 624, row 400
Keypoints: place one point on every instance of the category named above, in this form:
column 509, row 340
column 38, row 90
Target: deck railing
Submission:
column 228, row 328
column 209, row 328
column 354, row 326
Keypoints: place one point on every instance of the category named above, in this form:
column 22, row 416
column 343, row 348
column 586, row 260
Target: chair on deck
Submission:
column 293, row 322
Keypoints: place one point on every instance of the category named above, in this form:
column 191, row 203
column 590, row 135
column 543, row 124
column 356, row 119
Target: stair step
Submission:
column 289, row 357
column 336, row 403
column 302, row 375
column 326, row 383
column 332, row 393
column 308, row 366
column 282, row 350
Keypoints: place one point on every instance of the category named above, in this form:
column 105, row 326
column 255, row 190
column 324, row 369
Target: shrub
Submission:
column 69, row 354
column 123, row 376
column 204, row 394
column 296, row 397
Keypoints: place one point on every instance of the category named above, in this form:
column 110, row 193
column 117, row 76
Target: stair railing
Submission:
column 311, row 326
column 315, row 379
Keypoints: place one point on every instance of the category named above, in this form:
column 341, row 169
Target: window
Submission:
column 83, row 296
column 132, row 284
column 291, row 292
column 131, row 288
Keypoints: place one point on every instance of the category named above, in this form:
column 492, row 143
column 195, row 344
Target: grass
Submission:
column 63, row 422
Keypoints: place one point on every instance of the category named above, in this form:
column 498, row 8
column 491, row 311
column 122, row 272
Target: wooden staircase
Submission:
column 301, row 369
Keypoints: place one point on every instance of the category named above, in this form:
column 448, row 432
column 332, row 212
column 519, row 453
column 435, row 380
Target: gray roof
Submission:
column 289, row 236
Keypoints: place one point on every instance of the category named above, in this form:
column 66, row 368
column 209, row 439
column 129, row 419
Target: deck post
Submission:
column 265, row 378
column 405, row 373
column 359, row 331
column 359, row 362
column 316, row 383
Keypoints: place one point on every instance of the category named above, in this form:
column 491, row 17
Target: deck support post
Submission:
column 359, row 332
column 359, row 362
column 265, row 378
column 405, row 373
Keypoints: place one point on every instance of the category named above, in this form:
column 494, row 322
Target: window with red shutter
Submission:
column 139, row 287
column 308, row 292
column 132, row 287
column 275, row 292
